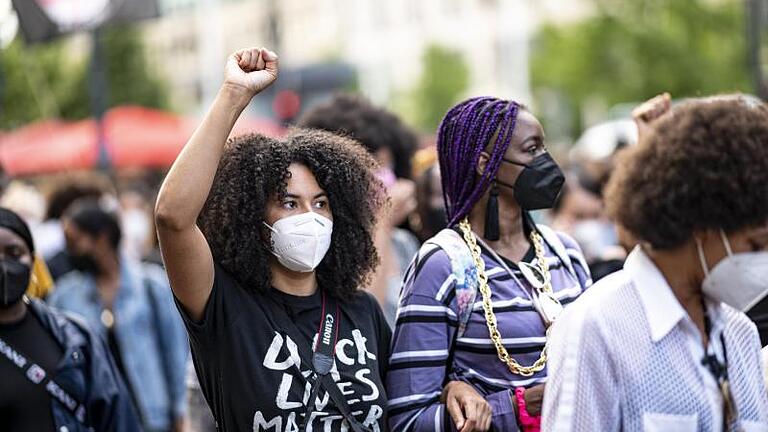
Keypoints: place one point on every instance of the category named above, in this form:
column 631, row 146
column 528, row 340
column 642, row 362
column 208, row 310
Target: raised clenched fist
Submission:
column 650, row 111
column 251, row 70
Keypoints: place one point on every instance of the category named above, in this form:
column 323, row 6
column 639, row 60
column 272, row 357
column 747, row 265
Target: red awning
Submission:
column 135, row 137
column 49, row 146
column 141, row 137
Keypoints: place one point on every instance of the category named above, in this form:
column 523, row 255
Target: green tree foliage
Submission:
column 35, row 81
column 631, row 50
column 444, row 78
column 40, row 81
column 130, row 78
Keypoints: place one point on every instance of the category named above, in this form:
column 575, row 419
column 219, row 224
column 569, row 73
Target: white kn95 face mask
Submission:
column 300, row 242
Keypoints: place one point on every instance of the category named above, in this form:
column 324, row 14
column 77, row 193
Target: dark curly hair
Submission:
column 73, row 190
column 254, row 170
column 705, row 166
column 374, row 127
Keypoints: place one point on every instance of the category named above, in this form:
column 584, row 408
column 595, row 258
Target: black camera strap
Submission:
column 323, row 354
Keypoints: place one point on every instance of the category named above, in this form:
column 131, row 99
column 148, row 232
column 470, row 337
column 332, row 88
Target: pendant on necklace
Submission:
column 550, row 307
column 533, row 275
column 107, row 318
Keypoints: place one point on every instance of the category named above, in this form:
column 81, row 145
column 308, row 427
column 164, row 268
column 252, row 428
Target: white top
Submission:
column 626, row 356
column 49, row 238
column 765, row 364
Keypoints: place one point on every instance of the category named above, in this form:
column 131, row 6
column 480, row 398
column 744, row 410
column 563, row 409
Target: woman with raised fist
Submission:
column 267, row 244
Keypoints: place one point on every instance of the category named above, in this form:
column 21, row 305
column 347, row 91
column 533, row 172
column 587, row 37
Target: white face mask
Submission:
column 300, row 242
column 739, row 280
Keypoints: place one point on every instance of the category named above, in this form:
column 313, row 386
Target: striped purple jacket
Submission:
column 428, row 351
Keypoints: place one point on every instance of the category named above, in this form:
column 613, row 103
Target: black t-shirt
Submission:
column 25, row 406
column 530, row 254
column 252, row 375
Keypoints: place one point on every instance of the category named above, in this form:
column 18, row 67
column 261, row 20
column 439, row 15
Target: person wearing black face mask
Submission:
column 480, row 296
column 539, row 183
column 47, row 382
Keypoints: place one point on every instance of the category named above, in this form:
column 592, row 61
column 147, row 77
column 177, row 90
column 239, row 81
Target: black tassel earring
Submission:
column 492, row 214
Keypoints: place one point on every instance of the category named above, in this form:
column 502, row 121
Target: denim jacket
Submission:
column 86, row 371
column 149, row 332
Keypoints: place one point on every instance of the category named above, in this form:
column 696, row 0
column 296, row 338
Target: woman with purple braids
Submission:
column 469, row 349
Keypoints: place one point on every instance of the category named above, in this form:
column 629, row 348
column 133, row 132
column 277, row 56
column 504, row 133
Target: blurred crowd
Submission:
column 97, row 254
column 106, row 337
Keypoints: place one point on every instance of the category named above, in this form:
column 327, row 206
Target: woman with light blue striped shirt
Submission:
column 469, row 349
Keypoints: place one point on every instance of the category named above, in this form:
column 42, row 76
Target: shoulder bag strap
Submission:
column 41, row 377
column 553, row 240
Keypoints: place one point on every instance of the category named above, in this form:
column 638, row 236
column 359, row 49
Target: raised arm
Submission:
column 186, row 254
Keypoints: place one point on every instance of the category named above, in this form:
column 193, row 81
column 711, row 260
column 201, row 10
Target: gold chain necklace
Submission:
column 485, row 291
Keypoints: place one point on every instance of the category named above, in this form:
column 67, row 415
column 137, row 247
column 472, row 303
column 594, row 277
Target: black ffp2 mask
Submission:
column 84, row 263
column 539, row 184
column 14, row 281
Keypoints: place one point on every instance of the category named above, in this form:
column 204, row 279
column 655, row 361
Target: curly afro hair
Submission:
column 704, row 166
column 254, row 170
column 375, row 128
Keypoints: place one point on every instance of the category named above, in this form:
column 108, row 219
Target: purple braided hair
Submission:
column 466, row 130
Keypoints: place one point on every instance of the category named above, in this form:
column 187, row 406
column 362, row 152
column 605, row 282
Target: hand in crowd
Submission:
column 534, row 397
column 251, row 70
column 651, row 110
column 468, row 409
